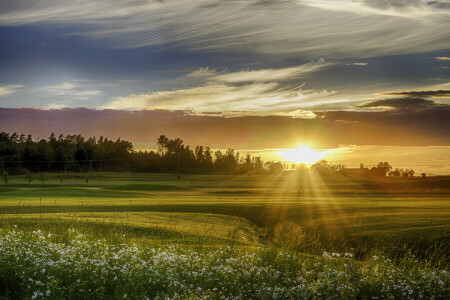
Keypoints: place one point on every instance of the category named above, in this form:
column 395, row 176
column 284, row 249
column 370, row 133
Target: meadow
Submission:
column 248, row 236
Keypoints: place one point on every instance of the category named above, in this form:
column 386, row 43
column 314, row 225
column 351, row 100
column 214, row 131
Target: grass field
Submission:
column 301, row 215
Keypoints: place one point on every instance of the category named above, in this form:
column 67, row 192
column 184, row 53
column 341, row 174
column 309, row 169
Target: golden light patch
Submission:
column 303, row 154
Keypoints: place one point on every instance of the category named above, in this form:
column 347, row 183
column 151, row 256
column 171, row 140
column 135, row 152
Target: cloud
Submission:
column 304, row 28
column 442, row 58
column 260, row 98
column 431, row 94
column 401, row 8
column 330, row 129
column 267, row 75
column 69, row 89
column 401, row 103
column 9, row 89
column 199, row 72
column 264, row 91
column 53, row 106
column 360, row 64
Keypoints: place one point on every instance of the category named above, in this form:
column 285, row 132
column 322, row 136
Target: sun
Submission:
column 303, row 154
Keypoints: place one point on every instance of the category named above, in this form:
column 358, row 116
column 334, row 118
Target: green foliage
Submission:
column 76, row 153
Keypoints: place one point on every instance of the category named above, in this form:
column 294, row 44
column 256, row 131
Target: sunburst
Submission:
column 303, row 154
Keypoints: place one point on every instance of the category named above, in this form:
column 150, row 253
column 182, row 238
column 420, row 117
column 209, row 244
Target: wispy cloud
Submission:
column 69, row 89
column 360, row 64
column 260, row 98
column 310, row 28
column 270, row 75
column 400, row 8
column 9, row 89
column 442, row 58
column 264, row 91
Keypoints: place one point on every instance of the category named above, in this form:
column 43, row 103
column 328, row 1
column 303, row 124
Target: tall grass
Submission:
column 292, row 237
column 40, row 265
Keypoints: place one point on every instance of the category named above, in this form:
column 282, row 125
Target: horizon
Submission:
column 365, row 77
column 349, row 156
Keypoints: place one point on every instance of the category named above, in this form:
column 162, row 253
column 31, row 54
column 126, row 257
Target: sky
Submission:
column 367, row 77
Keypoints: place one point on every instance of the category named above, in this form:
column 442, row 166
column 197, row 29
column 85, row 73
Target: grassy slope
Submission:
column 301, row 213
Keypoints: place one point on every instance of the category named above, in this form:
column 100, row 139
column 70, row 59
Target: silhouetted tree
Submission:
column 274, row 167
column 321, row 167
column 408, row 173
column 383, row 168
column 218, row 164
column 397, row 173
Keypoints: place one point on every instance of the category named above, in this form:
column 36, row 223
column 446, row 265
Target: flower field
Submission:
column 41, row 265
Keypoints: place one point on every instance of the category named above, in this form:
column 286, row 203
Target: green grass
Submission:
column 355, row 214
column 398, row 219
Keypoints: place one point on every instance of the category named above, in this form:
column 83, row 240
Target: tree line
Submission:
column 20, row 153
column 381, row 170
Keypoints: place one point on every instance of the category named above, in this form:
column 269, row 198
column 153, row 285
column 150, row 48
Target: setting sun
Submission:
column 303, row 154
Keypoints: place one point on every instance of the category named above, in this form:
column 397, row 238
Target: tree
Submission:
column 5, row 176
column 407, row 173
column 424, row 175
column 162, row 144
column 322, row 168
column 384, row 167
column 302, row 168
column 28, row 177
column 208, row 159
column 61, row 177
column 246, row 164
column 396, row 173
column 274, row 167
column 219, row 161
column 258, row 165
column 230, row 161
column 43, row 178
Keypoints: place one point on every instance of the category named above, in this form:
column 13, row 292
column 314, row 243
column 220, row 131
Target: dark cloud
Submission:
column 386, row 4
column 439, row 4
column 432, row 94
column 401, row 103
column 405, row 4
column 422, row 127
column 398, row 127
